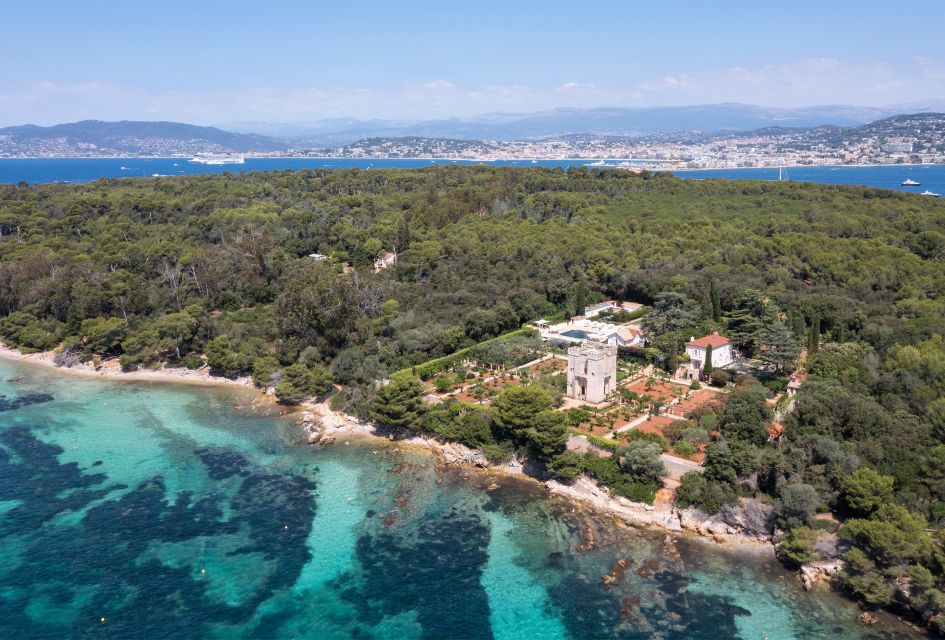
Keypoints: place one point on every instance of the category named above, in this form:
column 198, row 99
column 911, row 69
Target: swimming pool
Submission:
column 576, row 333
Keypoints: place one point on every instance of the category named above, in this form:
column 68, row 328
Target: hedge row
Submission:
column 430, row 368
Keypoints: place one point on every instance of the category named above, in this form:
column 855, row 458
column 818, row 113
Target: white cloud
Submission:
column 572, row 87
column 811, row 81
column 438, row 84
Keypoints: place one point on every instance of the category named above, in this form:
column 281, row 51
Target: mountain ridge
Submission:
column 141, row 137
column 625, row 121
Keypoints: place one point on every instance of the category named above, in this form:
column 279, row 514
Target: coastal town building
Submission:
column 592, row 371
column 697, row 349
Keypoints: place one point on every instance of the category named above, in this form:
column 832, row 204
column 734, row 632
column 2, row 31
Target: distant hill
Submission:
column 609, row 121
column 98, row 138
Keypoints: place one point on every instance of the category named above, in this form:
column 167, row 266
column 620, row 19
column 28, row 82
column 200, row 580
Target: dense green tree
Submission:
column 641, row 459
column 746, row 415
column 104, row 335
column 568, row 465
column 548, row 434
column 176, row 331
column 865, row 491
column 781, row 347
column 317, row 305
column 695, row 490
column 749, row 321
column 516, row 408
column 672, row 311
column 221, row 357
column 398, row 403
column 797, row 503
column 798, row 546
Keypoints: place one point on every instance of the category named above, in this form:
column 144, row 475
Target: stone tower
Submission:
column 592, row 371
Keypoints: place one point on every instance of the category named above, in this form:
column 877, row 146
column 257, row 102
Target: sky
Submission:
column 210, row 62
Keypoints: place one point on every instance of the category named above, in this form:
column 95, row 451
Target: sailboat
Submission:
column 909, row 182
column 782, row 173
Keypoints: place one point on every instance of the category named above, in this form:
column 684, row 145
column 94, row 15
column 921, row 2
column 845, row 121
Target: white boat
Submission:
column 599, row 163
column 218, row 158
column 909, row 182
column 931, row 193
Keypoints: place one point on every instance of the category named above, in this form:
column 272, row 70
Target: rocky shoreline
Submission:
column 323, row 426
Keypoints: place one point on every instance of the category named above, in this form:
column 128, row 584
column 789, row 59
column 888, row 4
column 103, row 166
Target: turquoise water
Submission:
column 176, row 512
column 576, row 333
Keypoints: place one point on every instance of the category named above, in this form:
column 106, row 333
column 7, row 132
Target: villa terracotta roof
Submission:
column 715, row 339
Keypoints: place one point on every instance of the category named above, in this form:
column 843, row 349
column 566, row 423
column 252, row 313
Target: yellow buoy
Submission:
column 203, row 571
column 102, row 620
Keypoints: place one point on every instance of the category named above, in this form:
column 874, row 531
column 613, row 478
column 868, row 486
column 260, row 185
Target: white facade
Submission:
column 626, row 337
column 722, row 354
column 592, row 371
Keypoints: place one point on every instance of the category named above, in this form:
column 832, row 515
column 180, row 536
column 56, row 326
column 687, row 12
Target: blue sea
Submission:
column 44, row 170
column 159, row 511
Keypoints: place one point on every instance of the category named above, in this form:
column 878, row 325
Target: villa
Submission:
column 722, row 354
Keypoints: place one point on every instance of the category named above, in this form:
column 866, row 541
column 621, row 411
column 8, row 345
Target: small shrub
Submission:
column 684, row 449
column 192, row 361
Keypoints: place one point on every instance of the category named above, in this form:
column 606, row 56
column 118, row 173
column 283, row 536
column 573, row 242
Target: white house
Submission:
column 627, row 336
column 722, row 354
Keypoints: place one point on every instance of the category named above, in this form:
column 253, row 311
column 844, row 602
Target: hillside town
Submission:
column 915, row 139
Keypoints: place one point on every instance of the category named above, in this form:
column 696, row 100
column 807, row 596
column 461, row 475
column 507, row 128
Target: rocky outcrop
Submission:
column 740, row 523
column 822, row 571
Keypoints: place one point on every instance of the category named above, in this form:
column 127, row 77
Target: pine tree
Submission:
column 716, row 301
column 708, row 368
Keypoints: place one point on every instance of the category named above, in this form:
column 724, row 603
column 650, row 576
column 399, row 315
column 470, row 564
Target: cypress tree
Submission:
column 672, row 361
column 580, row 299
column 707, row 368
column 813, row 342
column 716, row 301
column 798, row 326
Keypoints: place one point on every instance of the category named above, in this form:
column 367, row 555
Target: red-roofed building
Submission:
column 722, row 354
